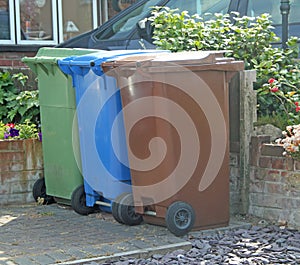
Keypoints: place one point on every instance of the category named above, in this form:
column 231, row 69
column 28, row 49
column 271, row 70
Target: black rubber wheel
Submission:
column 115, row 209
column 39, row 192
column 78, row 202
column 180, row 218
column 126, row 211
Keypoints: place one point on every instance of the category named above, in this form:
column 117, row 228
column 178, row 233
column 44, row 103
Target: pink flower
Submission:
column 271, row 80
column 274, row 89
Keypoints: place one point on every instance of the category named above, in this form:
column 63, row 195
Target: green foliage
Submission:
column 17, row 106
column 27, row 130
column 278, row 120
column 244, row 38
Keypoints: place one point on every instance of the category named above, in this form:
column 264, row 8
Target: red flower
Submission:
column 297, row 109
column 10, row 125
column 297, row 103
column 274, row 89
column 271, row 80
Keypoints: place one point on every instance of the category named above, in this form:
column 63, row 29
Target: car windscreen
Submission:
column 200, row 7
column 123, row 27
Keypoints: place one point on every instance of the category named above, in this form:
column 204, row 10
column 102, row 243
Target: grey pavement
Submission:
column 55, row 234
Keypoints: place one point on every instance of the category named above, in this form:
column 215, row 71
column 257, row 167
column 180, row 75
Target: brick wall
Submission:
column 21, row 164
column 13, row 59
column 274, row 187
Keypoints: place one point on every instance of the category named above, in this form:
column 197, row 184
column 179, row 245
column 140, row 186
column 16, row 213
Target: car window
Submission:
column 258, row 7
column 126, row 24
column 200, row 6
column 294, row 16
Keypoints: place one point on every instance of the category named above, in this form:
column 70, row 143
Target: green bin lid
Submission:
column 46, row 58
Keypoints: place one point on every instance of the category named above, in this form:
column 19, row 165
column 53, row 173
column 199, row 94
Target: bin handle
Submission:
column 44, row 68
column 96, row 65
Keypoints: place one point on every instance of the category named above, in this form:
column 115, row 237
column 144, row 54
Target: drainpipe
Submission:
column 285, row 10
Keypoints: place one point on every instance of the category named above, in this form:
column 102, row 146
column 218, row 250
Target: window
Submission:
column 126, row 24
column 48, row 22
column 6, row 22
column 36, row 22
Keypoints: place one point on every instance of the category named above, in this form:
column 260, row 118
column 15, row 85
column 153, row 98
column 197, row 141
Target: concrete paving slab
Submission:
column 55, row 234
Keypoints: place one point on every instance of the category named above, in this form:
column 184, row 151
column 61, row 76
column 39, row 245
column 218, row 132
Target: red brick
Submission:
column 18, row 63
column 289, row 163
column 6, row 62
column 272, row 150
column 260, row 174
column 7, row 177
column 279, row 163
column 11, row 156
column 273, row 187
column 265, row 162
column 273, row 175
column 297, row 165
column 11, row 145
column 11, row 166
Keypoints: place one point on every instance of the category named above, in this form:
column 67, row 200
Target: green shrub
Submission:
column 245, row 38
column 17, row 106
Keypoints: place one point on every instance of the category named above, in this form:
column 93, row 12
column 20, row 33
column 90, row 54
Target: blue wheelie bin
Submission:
column 102, row 138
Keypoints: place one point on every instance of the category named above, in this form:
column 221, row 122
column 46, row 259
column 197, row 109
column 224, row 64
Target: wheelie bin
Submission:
column 101, row 128
column 62, row 176
column 175, row 110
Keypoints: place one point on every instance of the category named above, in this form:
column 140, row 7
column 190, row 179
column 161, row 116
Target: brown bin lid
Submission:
column 158, row 62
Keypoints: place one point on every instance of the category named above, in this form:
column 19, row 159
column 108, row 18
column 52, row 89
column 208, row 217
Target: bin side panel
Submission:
column 55, row 89
column 62, row 173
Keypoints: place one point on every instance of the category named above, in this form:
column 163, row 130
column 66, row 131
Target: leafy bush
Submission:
column 245, row 38
column 17, row 106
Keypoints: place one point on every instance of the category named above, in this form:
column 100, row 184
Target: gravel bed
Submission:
column 256, row 245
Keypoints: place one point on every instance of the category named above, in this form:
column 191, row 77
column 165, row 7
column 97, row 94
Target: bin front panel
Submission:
column 200, row 178
column 98, row 103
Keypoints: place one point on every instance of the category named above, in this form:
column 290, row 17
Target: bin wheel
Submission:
column 180, row 218
column 78, row 202
column 39, row 192
column 115, row 209
column 126, row 211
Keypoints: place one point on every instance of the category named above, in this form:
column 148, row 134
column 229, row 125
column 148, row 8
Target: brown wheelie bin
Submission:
column 175, row 109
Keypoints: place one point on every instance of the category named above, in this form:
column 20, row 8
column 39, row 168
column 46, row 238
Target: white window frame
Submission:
column 99, row 7
column 103, row 9
column 11, row 14
column 60, row 18
column 39, row 42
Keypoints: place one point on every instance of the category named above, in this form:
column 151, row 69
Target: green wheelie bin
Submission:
column 62, row 180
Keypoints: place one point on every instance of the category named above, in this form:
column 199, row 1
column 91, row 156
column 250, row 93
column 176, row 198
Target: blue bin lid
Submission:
column 82, row 64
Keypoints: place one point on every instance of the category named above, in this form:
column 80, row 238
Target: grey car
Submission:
column 123, row 31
